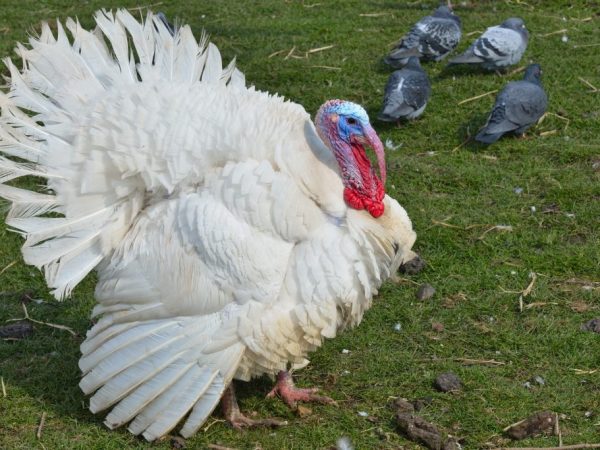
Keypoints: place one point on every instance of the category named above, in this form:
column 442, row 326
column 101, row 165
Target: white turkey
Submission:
column 230, row 234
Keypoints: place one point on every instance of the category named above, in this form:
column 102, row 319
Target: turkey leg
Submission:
column 291, row 395
column 232, row 413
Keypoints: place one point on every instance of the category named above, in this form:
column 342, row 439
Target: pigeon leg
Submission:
column 291, row 395
column 232, row 413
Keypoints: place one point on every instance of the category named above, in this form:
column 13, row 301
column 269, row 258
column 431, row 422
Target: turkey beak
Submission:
column 370, row 139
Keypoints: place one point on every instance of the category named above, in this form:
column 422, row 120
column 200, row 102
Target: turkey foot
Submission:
column 291, row 395
column 232, row 413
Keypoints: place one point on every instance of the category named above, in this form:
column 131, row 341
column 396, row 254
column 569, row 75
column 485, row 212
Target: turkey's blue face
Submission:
column 344, row 127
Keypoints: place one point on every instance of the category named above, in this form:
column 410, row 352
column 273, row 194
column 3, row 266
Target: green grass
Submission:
column 471, row 188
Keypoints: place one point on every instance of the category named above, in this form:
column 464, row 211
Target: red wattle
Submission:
column 355, row 200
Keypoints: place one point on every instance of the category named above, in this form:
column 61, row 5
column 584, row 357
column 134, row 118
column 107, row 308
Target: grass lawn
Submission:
column 455, row 196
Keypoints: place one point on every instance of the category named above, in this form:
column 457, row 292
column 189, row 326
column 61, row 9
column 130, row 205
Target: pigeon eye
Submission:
column 351, row 121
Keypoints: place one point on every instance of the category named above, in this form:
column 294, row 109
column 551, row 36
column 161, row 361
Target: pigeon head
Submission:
column 517, row 24
column 533, row 73
column 442, row 11
column 345, row 129
column 445, row 12
column 413, row 62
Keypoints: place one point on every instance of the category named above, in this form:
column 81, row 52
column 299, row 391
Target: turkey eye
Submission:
column 351, row 121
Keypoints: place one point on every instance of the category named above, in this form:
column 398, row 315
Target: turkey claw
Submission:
column 239, row 422
column 291, row 395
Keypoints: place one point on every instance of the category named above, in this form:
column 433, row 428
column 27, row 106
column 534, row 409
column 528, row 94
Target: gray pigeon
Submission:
column 518, row 106
column 432, row 38
column 499, row 46
column 406, row 93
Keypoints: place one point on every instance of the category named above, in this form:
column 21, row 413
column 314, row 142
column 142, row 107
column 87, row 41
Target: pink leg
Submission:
column 232, row 413
column 291, row 394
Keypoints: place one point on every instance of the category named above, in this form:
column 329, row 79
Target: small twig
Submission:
column 529, row 287
column 489, row 157
column 53, row 325
column 444, row 224
column 495, row 227
column 467, row 100
column 312, row 5
column 211, row 424
column 538, row 304
column 3, row 387
column 586, row 45
column 327, row 67
column 557, row 431
column 585, row 372
column 219, row 447
column 485, row 362
column 320, row 49
column 398, row 279
column 472, row 33
column 41, row 425
column 564, row 30
column 548, row 133
column 566, row 447
column 279, row 52
column 139, row 8
column 505, row 429
column 8, row 267
column 558, row 116
column 462, row 144
column 516, row 71
column 578, row 281
column 373, row 14
column 290, row 53
column 594, row 88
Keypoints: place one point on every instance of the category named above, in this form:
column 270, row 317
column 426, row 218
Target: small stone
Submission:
column 452, row 444
column 527, row 385
column 425, row 292
column 437, row 327
column 345, row 372
column 16, row 330
column 533, row 209
column 419, row 430
column 539, row 380
column 513, row 272
column 540, row 423
column 447, row 382
column 588, row 414
column 303, row 411
column 592, row 325
column 401, row 405
column 363, row 414
column 398, row 327
column 177, row 442
column 345, row 351
column 414, row 266
column 564, row 38
column 518, row 190
column 421, row 403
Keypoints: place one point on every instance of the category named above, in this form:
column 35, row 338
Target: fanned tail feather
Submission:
column 57, row 137
column 155, row 373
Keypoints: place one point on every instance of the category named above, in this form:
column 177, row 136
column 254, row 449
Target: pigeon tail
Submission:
column 487, row 138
